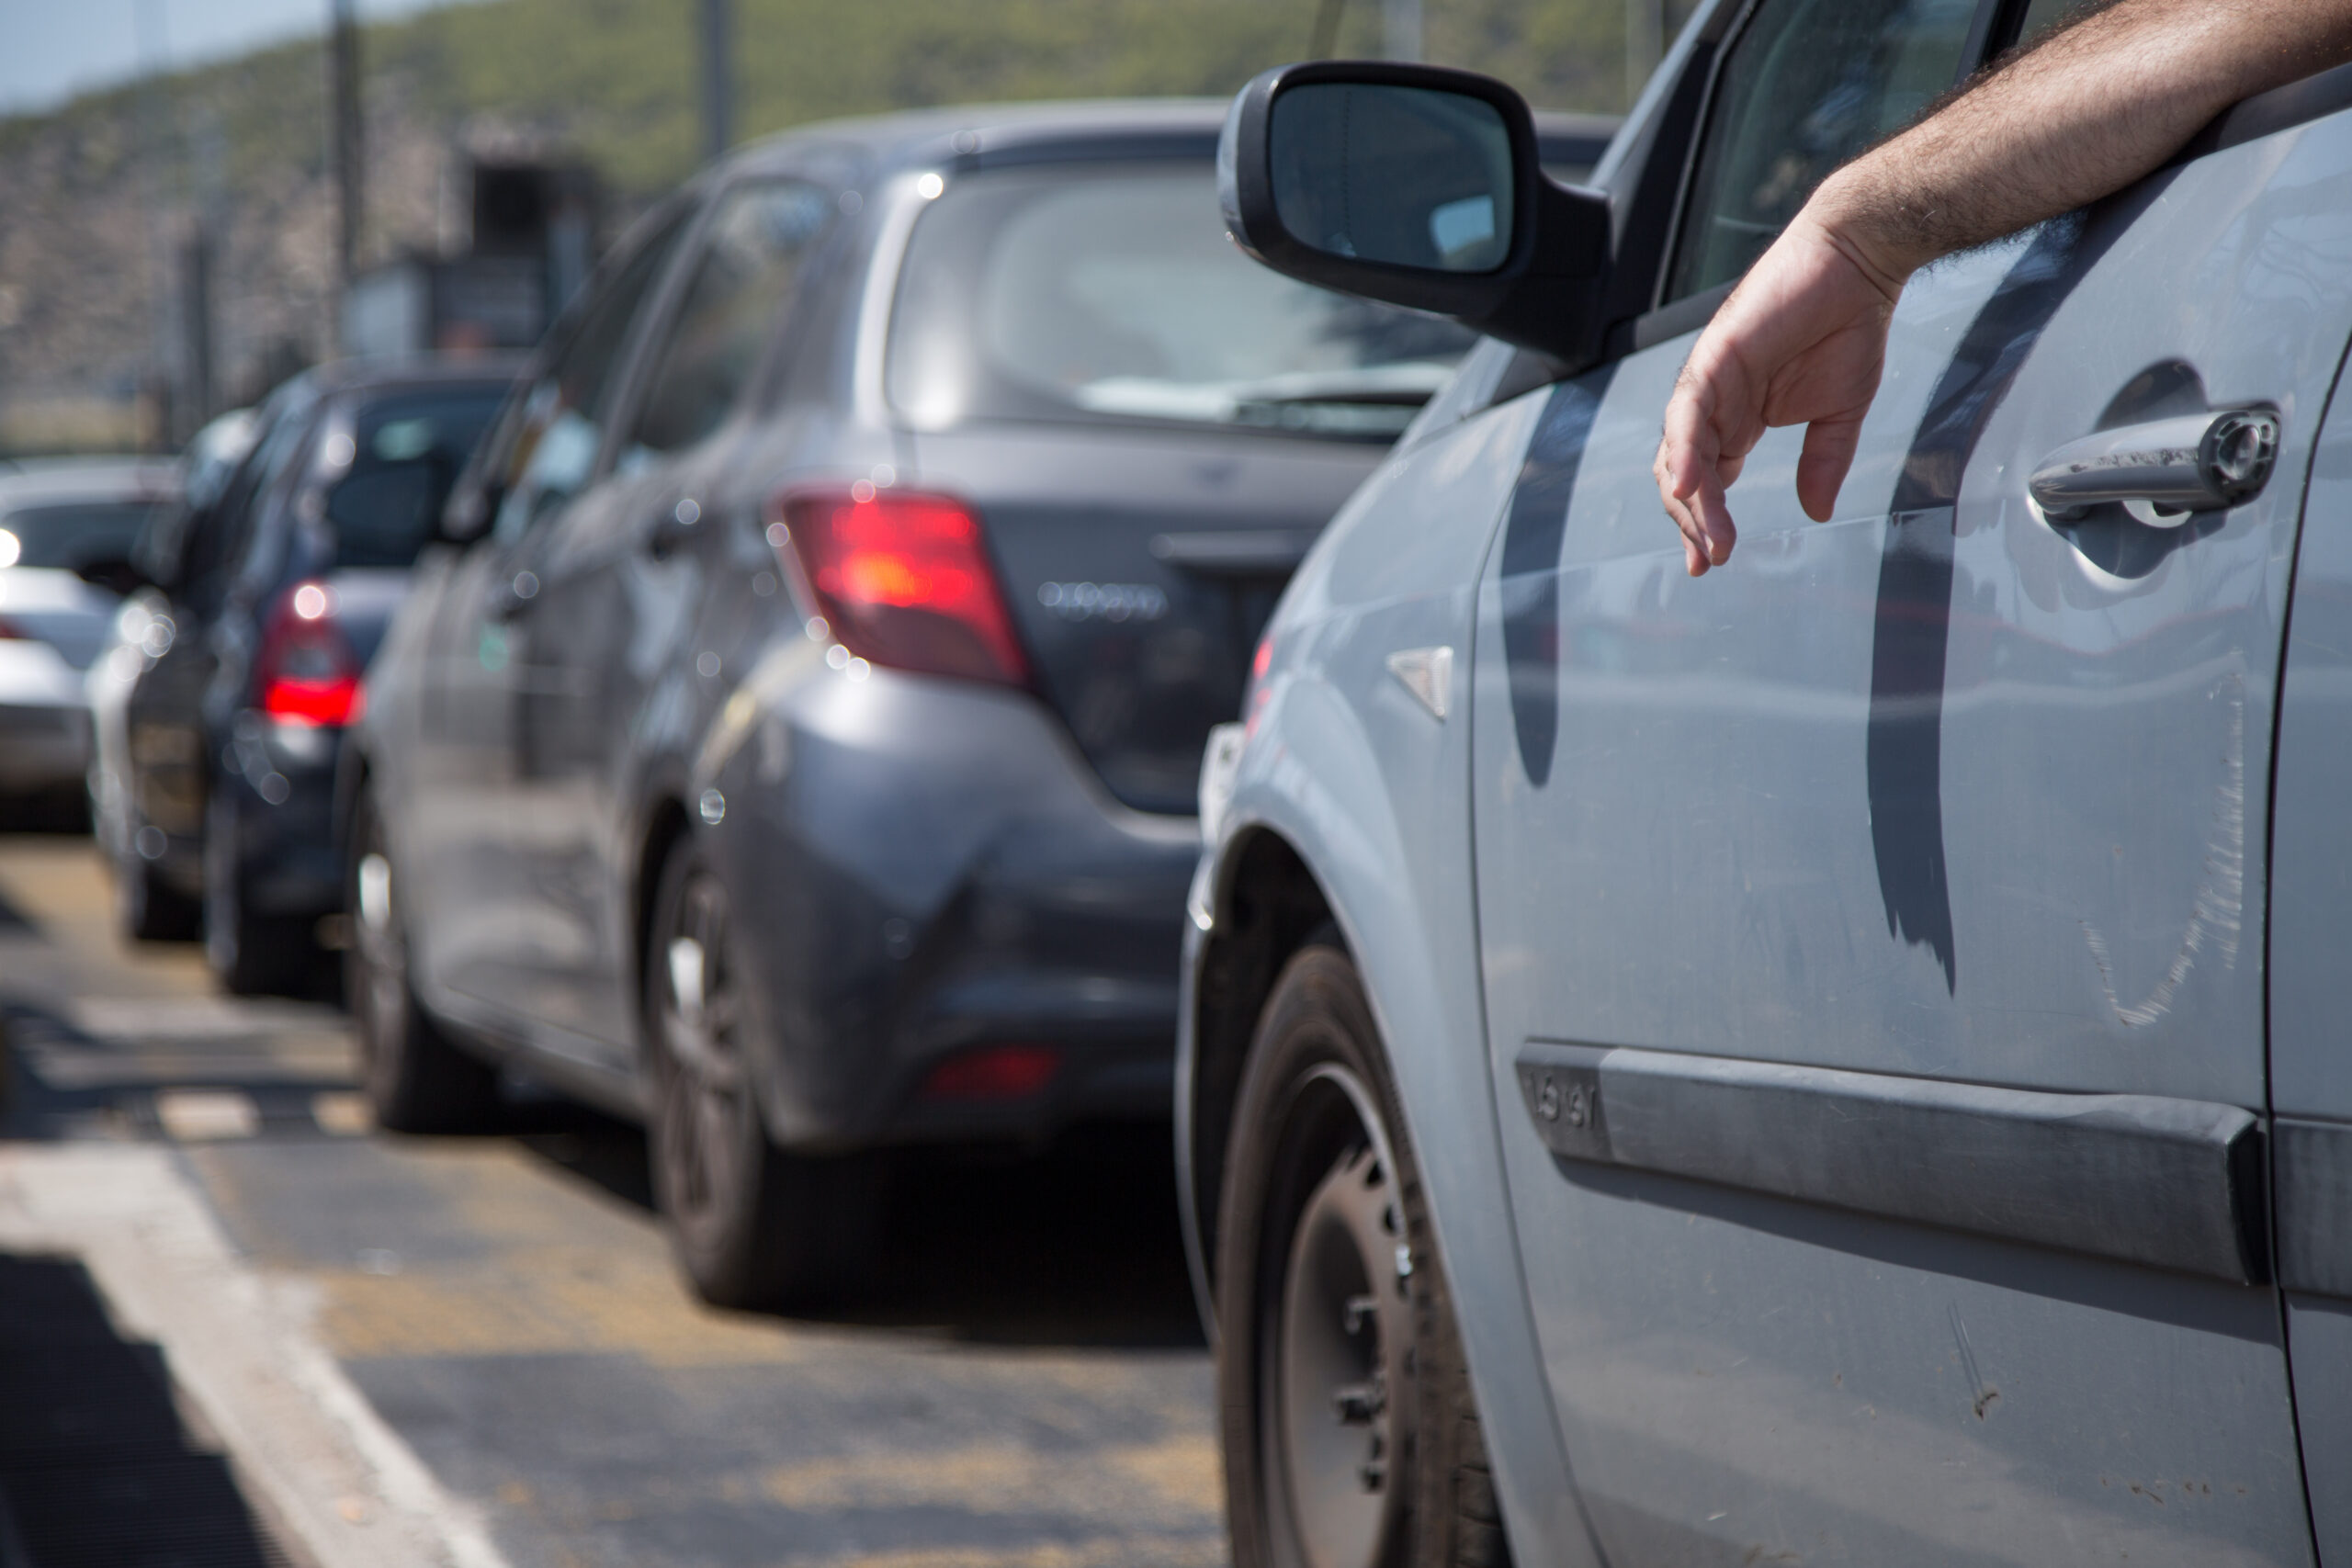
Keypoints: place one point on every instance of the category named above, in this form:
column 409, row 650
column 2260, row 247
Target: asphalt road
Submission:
column 1024, row 1387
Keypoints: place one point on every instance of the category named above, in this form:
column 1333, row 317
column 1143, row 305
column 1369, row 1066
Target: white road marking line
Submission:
column 160, row 1017
column 203, row 1115
column 342, row 1113
column 78, row 1068
column 243, row 1345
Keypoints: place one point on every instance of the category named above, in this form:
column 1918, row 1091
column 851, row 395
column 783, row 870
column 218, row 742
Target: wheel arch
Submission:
column 1269, row 907
column 665, row 823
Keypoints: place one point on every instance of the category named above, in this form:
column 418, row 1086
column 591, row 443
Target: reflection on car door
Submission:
column 1818, row 894
column 622, row 579
column 477, row 929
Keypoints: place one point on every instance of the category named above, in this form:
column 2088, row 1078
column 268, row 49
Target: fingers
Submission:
column 1690, row 470
column 1828, row 455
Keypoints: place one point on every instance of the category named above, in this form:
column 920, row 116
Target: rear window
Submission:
column 406, row 452
column 72, row 535
column 1097, row 294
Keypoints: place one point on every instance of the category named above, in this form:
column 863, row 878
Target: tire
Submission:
column 1352, row 1438
column 751, row 1226
column 249, row 955
column 416, row 1079
column 148, row 909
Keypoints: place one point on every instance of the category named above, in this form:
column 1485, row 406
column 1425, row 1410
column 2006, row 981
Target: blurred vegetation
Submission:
column 616, row 78
column 619, row 74
column 96, row 195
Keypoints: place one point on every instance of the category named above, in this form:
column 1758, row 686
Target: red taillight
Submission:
column 994, row 1072
column 306, row 672
column 903, row 580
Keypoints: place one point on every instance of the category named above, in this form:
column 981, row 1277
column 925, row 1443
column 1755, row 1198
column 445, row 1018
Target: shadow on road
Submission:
column 1077, row 1245
column 96, row 1467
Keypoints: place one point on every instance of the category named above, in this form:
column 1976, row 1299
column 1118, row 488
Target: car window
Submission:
column 2040, row 16
column 553, row 448
column 741, row 283
column 1807, row 84
column 1109, row 293
column 406, row 451
column 72, row 535
column 219, row 539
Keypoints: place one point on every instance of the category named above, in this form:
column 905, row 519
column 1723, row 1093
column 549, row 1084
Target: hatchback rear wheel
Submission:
column 1352, row 1438
column 251, row 954
column 752, row 1225
column 417, row 1079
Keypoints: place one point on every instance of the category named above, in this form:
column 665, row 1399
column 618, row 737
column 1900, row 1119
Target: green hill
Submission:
column 95, row 197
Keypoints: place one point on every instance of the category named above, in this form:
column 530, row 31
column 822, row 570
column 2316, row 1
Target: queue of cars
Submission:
column 66, row 530
column 1832, row 1062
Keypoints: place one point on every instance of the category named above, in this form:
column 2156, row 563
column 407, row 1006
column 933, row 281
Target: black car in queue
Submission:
column 795, row 742
column 273, row 599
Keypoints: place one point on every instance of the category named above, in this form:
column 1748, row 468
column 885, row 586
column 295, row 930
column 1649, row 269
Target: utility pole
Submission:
column 1644, row 43
column 163, row 352
column 717, row 86
column 344, row 121
column 1401, row 29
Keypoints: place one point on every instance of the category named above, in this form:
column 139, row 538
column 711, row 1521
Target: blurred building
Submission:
column 530, row 242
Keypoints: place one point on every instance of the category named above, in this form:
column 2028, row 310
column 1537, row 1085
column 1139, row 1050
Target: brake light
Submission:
column 306, row 672
column 994, row 1073
column 903, row 580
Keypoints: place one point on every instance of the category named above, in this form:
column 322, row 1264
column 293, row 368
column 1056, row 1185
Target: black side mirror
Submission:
column 116, row 574
column 467, row 515
column 1416, row 186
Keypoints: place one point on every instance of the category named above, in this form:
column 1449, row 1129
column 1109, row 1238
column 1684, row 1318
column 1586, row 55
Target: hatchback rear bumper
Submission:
column 932, row 885
column 43, row 746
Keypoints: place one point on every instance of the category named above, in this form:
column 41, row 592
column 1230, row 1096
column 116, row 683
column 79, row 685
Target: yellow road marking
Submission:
column 198, row 1115
column 1105, row 1551
column 344, row 1112
column 1172, row 1484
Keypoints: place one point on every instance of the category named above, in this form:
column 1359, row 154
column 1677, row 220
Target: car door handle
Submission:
column 2203, row 462
column 671, row 528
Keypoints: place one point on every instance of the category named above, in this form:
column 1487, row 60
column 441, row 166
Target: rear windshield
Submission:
column 1109, row 293
column 72, row 535
column 406, row 453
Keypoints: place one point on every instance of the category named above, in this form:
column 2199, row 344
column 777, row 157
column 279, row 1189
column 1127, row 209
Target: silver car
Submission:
column 66, row 532
column 1841, row 1060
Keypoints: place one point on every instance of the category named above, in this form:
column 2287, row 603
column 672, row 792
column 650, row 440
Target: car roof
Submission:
column 413, row 373
column 94, row 479
column 984, row 133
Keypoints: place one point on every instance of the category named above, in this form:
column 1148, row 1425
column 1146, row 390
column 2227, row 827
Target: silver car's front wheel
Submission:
column 1352, row 1439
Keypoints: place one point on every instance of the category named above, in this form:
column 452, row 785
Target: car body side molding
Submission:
column 2313, row 1170
column 2166, row 1184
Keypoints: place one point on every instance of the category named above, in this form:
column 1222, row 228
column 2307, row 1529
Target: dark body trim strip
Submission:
column 2267, row 114
column 2166, row 1183
column 2313, row 1168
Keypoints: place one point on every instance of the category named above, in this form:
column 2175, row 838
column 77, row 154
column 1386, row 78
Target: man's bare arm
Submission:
column 1803, row 339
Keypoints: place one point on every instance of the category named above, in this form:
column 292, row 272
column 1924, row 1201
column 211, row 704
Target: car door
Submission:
column 625, row 579
column 1871, row 929
column 2311, row 911
column 477, row 931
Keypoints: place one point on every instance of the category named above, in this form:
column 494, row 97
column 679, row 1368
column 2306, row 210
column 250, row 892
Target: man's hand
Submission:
column 2083, row 113
column 1801, row 342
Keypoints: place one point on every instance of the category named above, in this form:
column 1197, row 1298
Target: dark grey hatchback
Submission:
column 795, row 742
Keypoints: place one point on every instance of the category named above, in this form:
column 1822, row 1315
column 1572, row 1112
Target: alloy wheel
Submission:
column 703, row 1104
